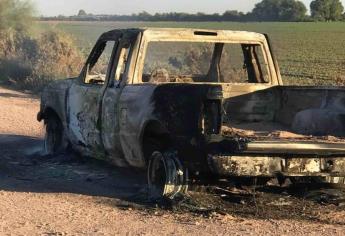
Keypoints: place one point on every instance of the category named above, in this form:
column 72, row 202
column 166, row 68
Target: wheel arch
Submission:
column 154, row 137
column 48, row 112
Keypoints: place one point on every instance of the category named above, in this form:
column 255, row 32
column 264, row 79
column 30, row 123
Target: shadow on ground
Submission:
column 23, row 168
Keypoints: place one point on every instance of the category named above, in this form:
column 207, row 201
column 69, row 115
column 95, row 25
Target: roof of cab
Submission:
column 185, row 33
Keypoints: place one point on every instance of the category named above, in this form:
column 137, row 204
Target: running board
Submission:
column 295, row 147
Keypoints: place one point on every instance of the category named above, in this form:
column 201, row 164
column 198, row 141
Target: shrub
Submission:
column 34, row 62
column 29, row 62
column 54, row 55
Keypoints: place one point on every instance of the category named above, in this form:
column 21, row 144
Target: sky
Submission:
column 71, row 7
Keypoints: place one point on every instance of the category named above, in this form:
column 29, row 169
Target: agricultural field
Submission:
column 308, row 53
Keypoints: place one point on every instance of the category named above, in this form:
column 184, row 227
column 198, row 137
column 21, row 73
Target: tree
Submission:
column 279, row 10
column 144, row 16
column 82, row 13
column 326, row 10
column 266, row 10
column 292, row 10
column 232, row 15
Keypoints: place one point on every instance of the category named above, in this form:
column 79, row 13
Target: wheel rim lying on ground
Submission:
column 166, row 176
column 53, row 140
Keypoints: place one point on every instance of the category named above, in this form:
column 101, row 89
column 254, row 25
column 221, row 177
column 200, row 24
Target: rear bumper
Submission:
column 267, row 166
column 295, row 147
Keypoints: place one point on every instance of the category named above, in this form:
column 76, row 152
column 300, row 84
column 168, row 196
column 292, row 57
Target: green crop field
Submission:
column 308, row 53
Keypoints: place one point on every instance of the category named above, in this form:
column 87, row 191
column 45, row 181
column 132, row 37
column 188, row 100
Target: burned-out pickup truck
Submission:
column 188, row 103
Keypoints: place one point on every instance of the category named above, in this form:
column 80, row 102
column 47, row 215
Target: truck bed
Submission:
column 272, row 138
column 271, row 131
column 286, row 119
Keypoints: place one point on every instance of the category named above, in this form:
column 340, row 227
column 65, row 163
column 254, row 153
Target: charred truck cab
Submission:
column 187, row 104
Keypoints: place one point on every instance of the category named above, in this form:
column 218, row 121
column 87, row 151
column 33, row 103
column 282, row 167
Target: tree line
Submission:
column 266, row 10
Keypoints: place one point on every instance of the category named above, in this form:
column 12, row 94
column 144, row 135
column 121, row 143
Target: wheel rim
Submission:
column 166, row 176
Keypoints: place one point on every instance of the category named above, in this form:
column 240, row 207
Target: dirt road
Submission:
column 68, row 195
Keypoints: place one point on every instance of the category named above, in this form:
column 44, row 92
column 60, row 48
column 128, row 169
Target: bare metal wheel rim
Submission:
column 166, row 176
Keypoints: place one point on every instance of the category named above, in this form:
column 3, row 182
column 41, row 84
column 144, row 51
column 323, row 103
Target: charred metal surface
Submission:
column 53, row 99
column 126, row 120
column 171, row 100
column 272, row 165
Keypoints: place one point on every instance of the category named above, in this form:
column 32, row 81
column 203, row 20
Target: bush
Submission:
column 29, row 62
column 54, row 55
column 15, row 23
column 33, row 62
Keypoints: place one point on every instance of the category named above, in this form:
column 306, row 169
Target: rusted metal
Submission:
column 266, row 166
column 296, row 147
